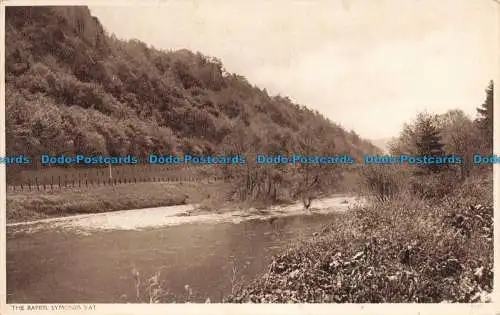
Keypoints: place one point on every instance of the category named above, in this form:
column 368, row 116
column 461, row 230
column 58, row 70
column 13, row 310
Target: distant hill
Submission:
column 382, row 143
column 71, row 87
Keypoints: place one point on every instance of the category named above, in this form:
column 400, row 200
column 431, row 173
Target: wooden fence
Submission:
column 57, row 178
column 42, row 178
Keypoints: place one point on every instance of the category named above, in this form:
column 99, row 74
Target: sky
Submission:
column 369, row 65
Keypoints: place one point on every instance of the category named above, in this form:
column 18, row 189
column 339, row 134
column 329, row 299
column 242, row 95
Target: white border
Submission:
column 222, row 309
column 275, row 309
column 496, row 167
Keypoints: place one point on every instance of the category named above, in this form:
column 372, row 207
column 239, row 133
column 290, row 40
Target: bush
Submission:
column 382, row 182
column 404, row 250
column 432, row 186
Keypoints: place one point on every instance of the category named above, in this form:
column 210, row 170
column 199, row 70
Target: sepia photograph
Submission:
column 249, row 152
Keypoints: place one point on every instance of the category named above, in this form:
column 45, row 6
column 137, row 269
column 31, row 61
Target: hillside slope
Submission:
column 73, row 88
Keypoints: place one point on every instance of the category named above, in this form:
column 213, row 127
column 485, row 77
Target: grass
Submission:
column 402, row 250
column 71, row 176
column 151, row 289
column 35, row 203
column 24, row 206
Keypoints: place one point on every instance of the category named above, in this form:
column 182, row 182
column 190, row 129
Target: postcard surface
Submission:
column 251, row 156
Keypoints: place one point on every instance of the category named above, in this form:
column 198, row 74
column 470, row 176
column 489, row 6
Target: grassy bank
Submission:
column 25, row 206
column 406, row 249
column 212, row 196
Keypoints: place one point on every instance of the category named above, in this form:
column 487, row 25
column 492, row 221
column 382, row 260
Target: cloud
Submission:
column 389, row 82
column 360, row 63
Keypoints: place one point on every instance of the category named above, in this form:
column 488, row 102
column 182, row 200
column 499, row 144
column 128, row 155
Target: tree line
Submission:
column 451, row 133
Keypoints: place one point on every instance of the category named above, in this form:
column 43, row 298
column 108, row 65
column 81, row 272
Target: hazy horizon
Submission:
column 358, row 63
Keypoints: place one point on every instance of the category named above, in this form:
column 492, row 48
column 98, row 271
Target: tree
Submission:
column 405, row 143
column 460, row 137
column 419, row 138
column 485, row 120
column 428, row 140
column 314, row 179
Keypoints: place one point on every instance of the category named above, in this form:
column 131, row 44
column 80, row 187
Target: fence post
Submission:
column 110, row 175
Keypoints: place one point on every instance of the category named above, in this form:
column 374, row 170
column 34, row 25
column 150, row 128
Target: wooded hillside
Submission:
column 72, row 88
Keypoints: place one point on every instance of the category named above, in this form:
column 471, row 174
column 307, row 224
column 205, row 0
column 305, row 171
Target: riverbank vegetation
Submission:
column 426, row 237
column 402, row 250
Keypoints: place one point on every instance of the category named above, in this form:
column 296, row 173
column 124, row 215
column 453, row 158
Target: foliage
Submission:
column 451, row 133
column 427, row 236
column 403, row 251
column 485, row 119
column 382, row 182
column 460, row 137
column 86, row 91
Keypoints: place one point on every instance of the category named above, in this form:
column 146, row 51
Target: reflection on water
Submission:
column 60, row 266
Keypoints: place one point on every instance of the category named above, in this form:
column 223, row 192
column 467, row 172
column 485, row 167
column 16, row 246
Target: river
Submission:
column 90, row 258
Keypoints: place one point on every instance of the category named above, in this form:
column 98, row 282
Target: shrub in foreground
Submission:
column 396, row 251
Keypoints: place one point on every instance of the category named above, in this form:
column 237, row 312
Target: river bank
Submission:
column 405, row 250
column 36, row 205
column 147, row 218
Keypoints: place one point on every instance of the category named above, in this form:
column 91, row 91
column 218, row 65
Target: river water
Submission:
column 89, row 259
